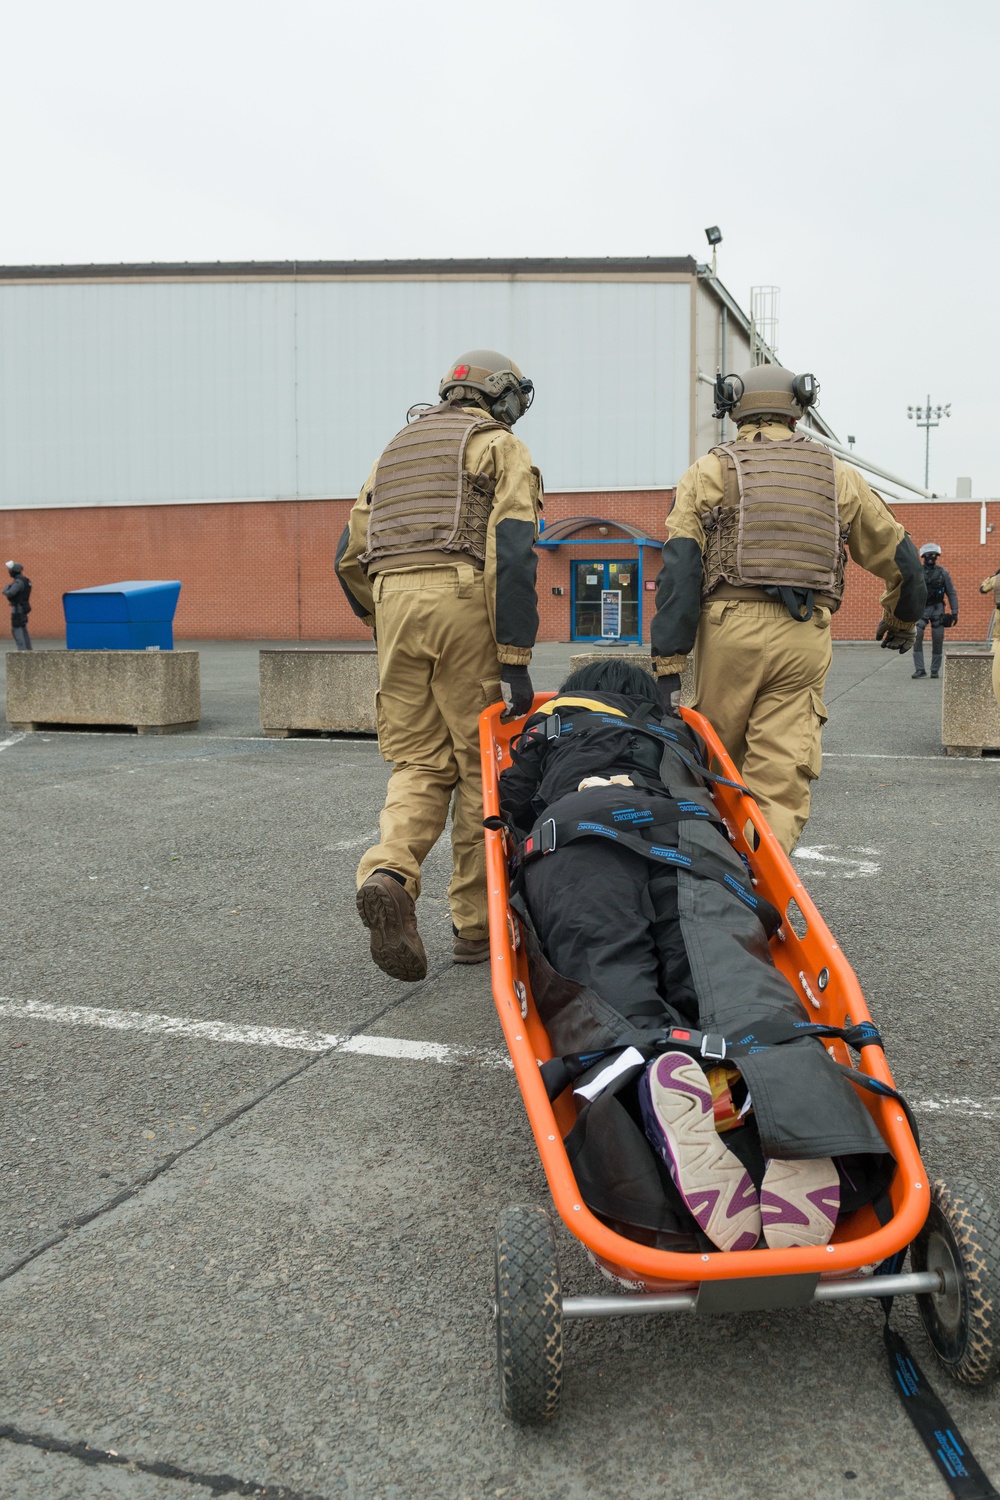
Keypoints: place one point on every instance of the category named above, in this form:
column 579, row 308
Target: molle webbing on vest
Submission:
column 779, row 525
column 423, row 498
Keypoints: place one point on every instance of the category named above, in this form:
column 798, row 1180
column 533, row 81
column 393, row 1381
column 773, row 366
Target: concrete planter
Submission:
column 157, row 692
column 970, row 716
column 318, row 692
column 641, row 659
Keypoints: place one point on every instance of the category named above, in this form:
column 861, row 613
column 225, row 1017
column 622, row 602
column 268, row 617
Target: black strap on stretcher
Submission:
column 554, row 726
column 547, row 836
column 712, row 1047
column 930, row 1417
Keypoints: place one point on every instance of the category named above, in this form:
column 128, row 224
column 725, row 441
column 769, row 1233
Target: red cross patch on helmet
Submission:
column 460, row 372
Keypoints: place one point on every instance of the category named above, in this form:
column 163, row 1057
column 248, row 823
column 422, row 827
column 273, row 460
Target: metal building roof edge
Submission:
column 291, row 269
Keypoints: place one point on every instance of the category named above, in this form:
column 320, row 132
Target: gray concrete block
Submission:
column 156, row 691
column 641, row 659
column 970, row 715
column 331, row 691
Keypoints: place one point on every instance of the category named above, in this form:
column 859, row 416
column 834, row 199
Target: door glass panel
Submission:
column 624, row 575
column 589, row 581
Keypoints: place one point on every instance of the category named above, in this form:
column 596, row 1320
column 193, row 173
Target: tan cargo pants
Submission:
column 758, row 677
column 438, row 670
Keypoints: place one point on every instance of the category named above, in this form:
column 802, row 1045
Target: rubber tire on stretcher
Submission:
column 961, row 1239
column 528, row 1312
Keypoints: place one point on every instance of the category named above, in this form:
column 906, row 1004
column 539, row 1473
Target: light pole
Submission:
column 927, row 417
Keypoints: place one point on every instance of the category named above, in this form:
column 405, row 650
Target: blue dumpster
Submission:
column 121, row 616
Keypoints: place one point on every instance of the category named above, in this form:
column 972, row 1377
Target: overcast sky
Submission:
column 848, row 151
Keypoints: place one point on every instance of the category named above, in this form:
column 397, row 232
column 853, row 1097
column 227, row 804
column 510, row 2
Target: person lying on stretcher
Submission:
column 646, row 919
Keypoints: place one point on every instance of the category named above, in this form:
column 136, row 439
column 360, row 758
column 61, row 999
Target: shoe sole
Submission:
column 799, row 1202
column 389, row 948
column 471, row 958
column 676, row 1104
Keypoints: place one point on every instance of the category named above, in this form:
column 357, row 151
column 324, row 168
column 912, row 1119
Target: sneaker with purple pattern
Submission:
column 799, row 1202
column 676, row 1103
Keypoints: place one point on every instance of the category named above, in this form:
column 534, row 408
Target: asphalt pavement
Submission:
column 250, row 1183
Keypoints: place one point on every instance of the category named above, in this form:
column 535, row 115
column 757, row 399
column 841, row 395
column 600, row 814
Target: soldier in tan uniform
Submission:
column 752, row 572
column 992, row 586
column 438, row 558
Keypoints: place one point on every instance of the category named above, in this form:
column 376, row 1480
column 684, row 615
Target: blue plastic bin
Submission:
column 121, row 616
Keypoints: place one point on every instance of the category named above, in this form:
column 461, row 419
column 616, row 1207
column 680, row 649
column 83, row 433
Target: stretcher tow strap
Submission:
column 548, row 836
column 590, row 712
column 712, row 1047
column 930, row 1417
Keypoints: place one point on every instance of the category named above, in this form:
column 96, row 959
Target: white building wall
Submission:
column 708, row 343
column 160, row 392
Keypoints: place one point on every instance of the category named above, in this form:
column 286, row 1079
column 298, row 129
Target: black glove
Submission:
column 948, row 620
column 518, row 694
column 668, row 691
column 881, row 630
column 896, row 639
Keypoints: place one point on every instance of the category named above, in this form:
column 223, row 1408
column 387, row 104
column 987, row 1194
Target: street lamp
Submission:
column 927, row 417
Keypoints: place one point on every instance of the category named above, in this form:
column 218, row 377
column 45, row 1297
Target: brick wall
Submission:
column 956, row 528
column 265, row 571
column 262, row 571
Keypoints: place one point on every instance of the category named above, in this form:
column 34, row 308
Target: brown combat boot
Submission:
column 470, row 950
column 390, row 914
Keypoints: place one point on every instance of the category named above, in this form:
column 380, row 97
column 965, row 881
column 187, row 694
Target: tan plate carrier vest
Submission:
column 426, row 505
column 996, row 591
column 778, row 524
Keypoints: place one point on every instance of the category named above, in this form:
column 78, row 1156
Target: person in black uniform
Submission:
column 939, row 585
column 646, row 919
column 18, row 593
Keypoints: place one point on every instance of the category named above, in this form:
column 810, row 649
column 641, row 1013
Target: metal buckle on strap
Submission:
column 553, row 727
column 713, row 1046
column 541, row 840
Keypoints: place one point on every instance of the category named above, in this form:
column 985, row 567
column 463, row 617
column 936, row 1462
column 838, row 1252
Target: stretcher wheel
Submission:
column 528, row 1311
column 961, row 1239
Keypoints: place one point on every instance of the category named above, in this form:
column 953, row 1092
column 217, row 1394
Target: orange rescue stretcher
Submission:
column 530, row 1306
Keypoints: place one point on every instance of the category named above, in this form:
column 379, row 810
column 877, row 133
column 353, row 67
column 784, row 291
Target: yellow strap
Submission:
column 569, row 702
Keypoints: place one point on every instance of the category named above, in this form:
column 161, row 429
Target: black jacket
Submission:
column 18, row 593
column 939, row 585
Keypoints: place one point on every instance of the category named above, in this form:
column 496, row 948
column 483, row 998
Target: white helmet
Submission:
column 930, row 549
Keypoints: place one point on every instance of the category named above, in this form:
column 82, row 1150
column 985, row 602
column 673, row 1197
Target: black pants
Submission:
column 606, row 918
column 937, row 643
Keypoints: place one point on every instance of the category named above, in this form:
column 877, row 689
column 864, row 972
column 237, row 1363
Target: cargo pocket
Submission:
column 382, row 729
column 811, row 752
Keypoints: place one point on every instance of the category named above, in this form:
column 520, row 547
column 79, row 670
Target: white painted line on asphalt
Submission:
column 979, row 1109
column 291, row 1040
column 248, row 739
column 12, row 740
column 362, row 842
column 877, row 755
column 857, row 863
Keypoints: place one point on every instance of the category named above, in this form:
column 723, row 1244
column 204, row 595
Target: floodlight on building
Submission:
column 714, row 236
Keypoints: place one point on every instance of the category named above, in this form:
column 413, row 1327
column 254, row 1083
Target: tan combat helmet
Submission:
column 768, row 391
column 483, row 373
